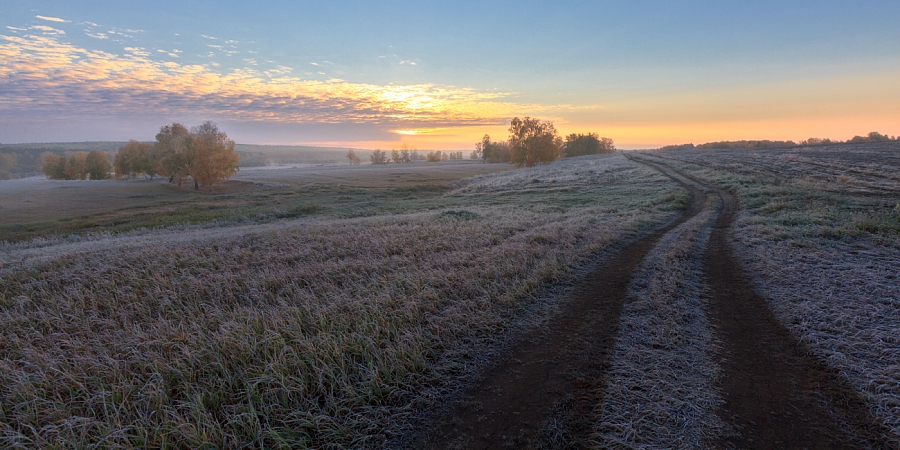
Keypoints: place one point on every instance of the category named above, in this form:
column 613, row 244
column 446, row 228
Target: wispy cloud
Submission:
column 47, row 30
column 42, row 73
column 52, row 19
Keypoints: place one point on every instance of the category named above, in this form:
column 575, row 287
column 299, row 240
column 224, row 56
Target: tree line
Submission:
column 813, row 141
column 405, row 154
column 532, row 141
column 203, row 155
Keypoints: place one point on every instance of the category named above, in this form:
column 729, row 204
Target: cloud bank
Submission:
column 41, row 73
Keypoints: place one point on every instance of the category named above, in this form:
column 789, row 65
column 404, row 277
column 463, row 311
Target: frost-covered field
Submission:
column 820, row 229
column 307, row 333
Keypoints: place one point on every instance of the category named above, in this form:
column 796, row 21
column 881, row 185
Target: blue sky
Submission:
column 440, row 74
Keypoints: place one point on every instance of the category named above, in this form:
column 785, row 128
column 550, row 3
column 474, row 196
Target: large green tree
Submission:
column 533, row 142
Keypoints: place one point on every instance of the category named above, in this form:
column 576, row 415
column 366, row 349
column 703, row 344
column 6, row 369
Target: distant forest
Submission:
column 871, row 137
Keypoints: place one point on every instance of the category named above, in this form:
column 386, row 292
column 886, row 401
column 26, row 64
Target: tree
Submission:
column 133, row 159
column 212, row 159
column 8, row 162
column 172, row 152
column 395, row 156
column 76, row 166
column 379, row 157
column 434, row 156
column 407, row 153
column 493, row 152
column 53, row 166
column 484, row 148
column 587, row 144
column 97, row 165
column 533, row 142
column 351, row 155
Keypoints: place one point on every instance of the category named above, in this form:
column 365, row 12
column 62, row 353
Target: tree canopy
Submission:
column 212, row 159
column 135, row 158
column 587, row 144
column 92, row 165
column 533, row 142
column 203, row 154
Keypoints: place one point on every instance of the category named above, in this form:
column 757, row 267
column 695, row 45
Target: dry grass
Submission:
column 325, row 333
column 660, row 391
column 824, row 248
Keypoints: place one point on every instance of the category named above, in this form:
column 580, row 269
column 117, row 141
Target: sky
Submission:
column 439, row 75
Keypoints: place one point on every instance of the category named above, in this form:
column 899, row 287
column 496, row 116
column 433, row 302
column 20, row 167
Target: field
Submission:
column 36, row 207
column 581, row 304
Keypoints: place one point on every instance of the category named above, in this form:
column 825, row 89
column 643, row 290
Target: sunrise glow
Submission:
column 67, row 76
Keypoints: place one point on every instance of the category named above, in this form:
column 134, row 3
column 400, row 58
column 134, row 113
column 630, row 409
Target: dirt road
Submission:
column 556, row 367
column 776, row 394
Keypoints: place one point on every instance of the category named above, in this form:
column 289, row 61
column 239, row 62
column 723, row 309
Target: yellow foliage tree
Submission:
column 213, row 158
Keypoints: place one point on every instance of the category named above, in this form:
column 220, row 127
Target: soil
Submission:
column 776, row 393
column 559, row 367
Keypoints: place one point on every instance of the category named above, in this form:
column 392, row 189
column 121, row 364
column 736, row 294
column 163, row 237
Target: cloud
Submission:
column 47, row 30
column 52, row 19
column 42, row 74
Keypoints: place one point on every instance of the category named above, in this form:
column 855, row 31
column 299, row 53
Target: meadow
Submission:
column 34, row 207
column 339, row 328
column 337, row 306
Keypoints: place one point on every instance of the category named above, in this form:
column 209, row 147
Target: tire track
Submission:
column 776, row 393
column 558, row 367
